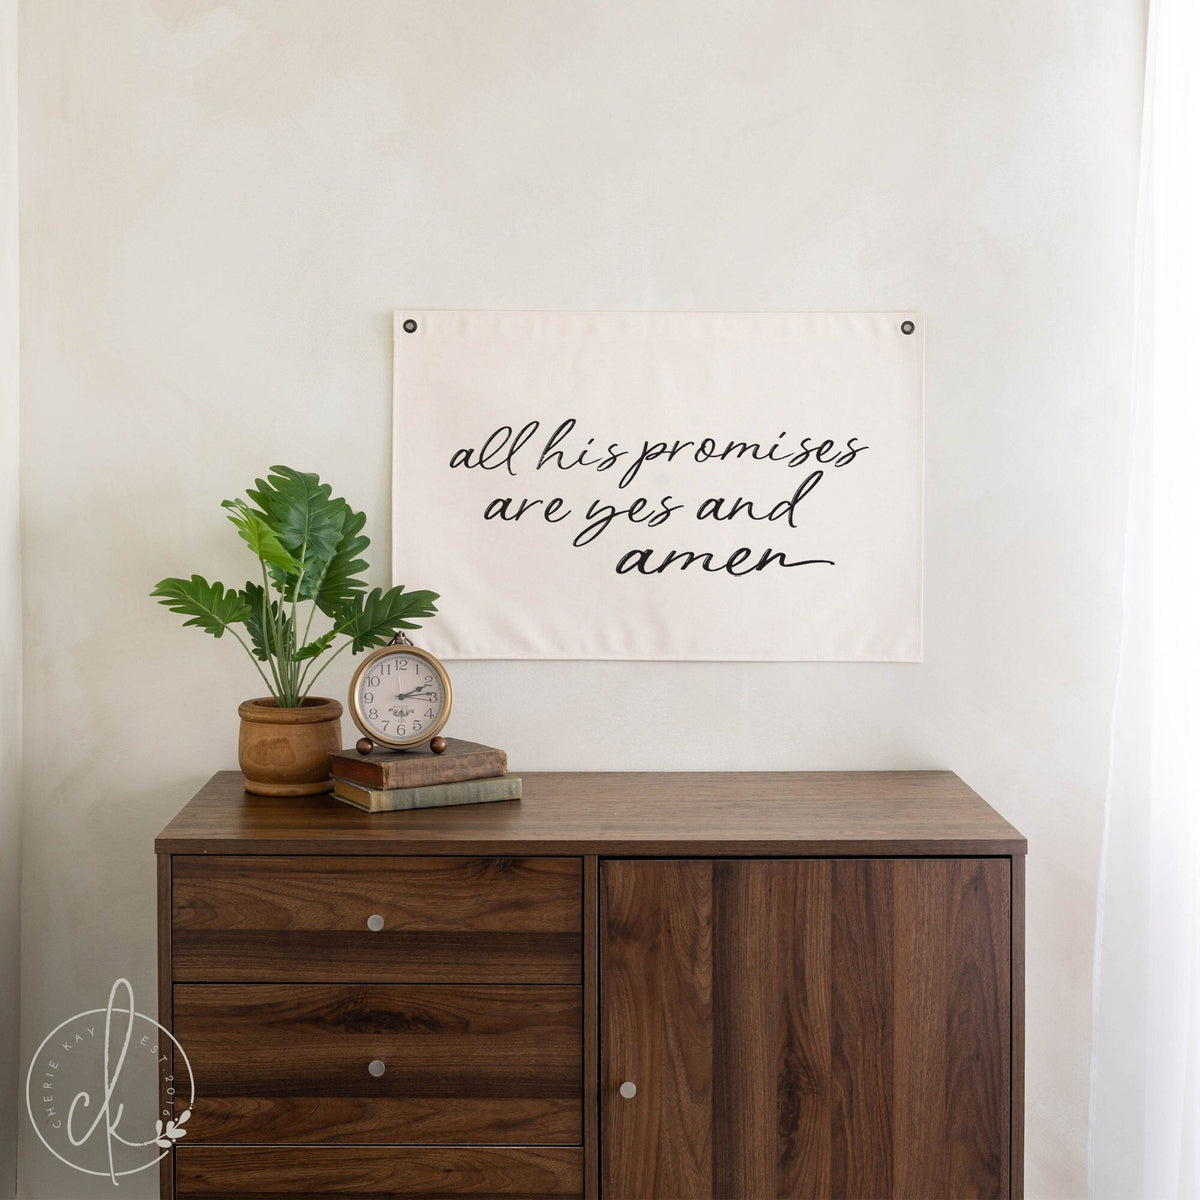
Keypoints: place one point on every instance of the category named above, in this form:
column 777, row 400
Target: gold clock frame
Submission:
column 398, row 647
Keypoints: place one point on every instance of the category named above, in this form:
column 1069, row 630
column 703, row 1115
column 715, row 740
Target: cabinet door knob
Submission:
column 628, row 1090
column 376, row 1067
column 375, row 923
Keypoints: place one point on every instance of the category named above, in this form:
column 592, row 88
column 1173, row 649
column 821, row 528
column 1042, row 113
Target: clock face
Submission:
column 400, row 697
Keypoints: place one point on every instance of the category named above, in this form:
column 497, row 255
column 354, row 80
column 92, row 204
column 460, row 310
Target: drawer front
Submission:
column 368, row 1172
column 377, row 920
column 461, row 1064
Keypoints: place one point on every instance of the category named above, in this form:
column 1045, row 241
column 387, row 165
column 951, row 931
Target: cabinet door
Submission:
column 806, row 1027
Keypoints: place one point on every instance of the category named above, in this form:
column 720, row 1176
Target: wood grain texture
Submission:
column 771, row 1015
column 657, row 1028
column 723, row 813
column 862, row 971
column 522, row 895
column 823, row 973
column 488, row 1120
column 1017, row 1119
column 591, row 1028
column 304, row 919
column 842, row 1024
column 329, row 956
column 166, row 1166
column 952, row 1048
column 373, row 1173
column 252, row 1045
column 285, row 751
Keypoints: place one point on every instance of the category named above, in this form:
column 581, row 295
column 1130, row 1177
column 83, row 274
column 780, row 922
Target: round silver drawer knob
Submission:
column 376, row 1067
column 628, row 1090
column 375, row 923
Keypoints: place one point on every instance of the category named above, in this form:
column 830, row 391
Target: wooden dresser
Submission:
column 627, row 985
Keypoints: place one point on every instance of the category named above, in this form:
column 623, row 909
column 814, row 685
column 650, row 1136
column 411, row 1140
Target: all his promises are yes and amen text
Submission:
column 510, row 450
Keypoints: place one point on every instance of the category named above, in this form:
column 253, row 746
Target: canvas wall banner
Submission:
column 722, row 486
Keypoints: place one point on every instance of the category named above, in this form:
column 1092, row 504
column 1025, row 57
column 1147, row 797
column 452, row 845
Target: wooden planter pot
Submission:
column 285, row 751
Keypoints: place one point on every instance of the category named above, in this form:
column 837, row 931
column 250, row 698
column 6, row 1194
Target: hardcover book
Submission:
column 471, row 791
column 385, row 769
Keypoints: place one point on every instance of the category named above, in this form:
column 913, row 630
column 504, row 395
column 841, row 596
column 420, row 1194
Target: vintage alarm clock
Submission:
column 400, row 698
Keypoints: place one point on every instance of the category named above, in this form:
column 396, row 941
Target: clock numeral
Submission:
column 420, row 687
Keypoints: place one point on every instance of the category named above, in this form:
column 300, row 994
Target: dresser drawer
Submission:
column 374, row 1172
column 379, row 919
column 461, row 1063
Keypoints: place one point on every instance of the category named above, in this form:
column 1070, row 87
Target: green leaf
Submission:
column 338, row 582
column 263, row 640
column 207, row 605
column 259, row 536
column 314, row 649
column 307, row 521
column 374, row 619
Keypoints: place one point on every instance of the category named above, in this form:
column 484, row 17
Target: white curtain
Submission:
column 1144, row 1131
column 10, row 607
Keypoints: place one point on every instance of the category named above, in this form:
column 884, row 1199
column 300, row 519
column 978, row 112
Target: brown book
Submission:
column 421, row 767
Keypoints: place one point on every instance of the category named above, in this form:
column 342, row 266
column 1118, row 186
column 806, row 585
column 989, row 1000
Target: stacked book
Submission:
column 384, row 780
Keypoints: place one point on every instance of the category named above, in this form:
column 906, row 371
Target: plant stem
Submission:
column 312, row 612
column 254, row 660
column 267, row 622
column 293, row 665
column 323, row 666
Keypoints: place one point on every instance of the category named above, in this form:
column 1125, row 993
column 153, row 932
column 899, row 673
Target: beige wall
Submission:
column 10, row 605
column 221, row 203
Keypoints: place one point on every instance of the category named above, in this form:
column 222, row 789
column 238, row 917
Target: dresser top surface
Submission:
column 620, row 813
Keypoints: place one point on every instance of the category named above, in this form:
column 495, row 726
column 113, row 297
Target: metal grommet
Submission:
column 905, row 327
column 410, row 326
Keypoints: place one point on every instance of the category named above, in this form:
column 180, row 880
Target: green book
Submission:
column 470, row 791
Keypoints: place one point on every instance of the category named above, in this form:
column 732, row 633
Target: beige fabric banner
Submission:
column 722, row 486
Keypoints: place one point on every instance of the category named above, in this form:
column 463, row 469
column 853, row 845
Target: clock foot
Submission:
column 364, row 746
column 438, row 745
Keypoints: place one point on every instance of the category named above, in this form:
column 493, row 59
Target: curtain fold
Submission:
column 1145, row 1093
column 10, row 607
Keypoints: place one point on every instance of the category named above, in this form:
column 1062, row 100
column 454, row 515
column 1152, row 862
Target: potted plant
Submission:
column 308, row 544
